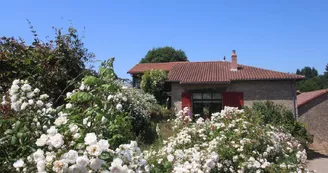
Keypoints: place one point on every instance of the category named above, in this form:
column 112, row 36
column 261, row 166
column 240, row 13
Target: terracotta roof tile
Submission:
column 140, row 68
column 306, row 97
column 219, row 72
column 212, row 72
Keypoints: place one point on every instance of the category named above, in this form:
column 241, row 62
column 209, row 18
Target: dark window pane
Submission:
column 207, row 96
column 217, row 96
column 197, row 96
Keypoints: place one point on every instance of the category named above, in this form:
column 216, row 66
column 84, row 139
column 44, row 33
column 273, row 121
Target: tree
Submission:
column 164, row 54
column 152, row 82
column 49, row 65
column 311, row 84
column 308, row 72
column 313, row 81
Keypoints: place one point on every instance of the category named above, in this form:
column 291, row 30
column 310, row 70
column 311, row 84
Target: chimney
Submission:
column 234, row 65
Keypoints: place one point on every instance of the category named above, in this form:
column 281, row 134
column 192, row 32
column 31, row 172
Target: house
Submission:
column 207, row 87
column 313, row 112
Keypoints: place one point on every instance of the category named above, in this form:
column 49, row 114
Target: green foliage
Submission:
column 313, row 81
column 308, row 72
column 152, row 82
column 164, row 54
column 279, row 116
column 50, row 65
column 99, row 104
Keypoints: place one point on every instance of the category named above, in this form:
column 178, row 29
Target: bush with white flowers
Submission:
column 62, row 144
column 83, row 134
column 230, row 141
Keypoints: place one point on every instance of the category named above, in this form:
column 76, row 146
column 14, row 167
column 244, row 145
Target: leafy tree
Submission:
column 311, row 84
column 326, row 72
column 308, row 72
column 152, row 82
column 164, row 54
column 50, row 65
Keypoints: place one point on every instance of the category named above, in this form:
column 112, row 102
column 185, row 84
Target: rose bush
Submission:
column 231, row 141
column 98, row 113
column 95, row 132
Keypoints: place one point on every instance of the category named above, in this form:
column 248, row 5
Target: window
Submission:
column 136, row 82
column 207, row 103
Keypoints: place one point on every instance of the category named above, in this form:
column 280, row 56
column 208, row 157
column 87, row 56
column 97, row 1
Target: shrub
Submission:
column 278, row 115
column 50, row 64
column 99, row 107
column 152, row 82
column 231, row 141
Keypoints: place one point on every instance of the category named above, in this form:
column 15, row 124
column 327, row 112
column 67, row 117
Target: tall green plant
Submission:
column 49, row 64
column 279, row 116
column 152, row 82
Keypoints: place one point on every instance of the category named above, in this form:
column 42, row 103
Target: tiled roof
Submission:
column 212, row 72
column 140, row 68
column 306, row 97
column 219, row 72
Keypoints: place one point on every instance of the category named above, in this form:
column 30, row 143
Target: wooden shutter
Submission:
column 233, row 99
column 186, row 100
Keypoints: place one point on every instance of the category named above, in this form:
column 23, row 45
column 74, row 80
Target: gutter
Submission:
column 294, row 99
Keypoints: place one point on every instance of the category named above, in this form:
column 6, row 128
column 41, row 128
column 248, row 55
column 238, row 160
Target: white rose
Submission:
column 119, row 106
column 16, row 82
column 24, row 105
column 44, row 96
column 69, row 106
column 42, row 140
column 124, row 99
column 19, row 163
column 30, row 95
column 39, row 103
column 73, row 128
column 59, row 166
column 116, row 165
column 94, row 150
column 50, row 156
column 41, row 165
column 68, row 94
column 96, row 163
column 52, row 131
column 30, row 102
column 38, row 155
column 76, row 135
column 104, row 119
column 110, row 97
column 103, row 144
column 26, row 87
column 82, row 161
column 36, row 90
column 60, row 120
column 90, row 139
column 77, row 168
column 57, row 140
column 170, row 158
column 71, row 156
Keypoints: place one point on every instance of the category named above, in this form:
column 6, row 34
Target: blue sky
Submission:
column 278, row 35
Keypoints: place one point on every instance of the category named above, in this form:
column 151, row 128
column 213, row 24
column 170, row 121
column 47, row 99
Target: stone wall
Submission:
column 314, row 115
column 280, row 92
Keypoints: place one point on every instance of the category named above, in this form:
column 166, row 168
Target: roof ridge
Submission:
column 163, row 62
column 271, row 70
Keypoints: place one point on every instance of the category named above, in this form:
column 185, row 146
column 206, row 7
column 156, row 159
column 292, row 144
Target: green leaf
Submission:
column 81, row 97
column 91, row 81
